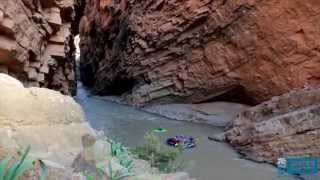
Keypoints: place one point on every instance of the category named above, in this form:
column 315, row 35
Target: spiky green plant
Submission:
column 122, row 154
column 117, row 149
column 16, row 170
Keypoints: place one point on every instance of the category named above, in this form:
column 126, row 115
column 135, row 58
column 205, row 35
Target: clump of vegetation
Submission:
column 120, row 154
column 13, row 171
column 166, row 159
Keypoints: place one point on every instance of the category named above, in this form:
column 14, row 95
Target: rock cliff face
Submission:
column 196, row 50
column 36, row 44
column 287, row 125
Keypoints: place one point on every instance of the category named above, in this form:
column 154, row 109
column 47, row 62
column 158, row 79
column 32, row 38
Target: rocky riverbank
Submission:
column 206, row 161
column 218, row 114
column 287, row 125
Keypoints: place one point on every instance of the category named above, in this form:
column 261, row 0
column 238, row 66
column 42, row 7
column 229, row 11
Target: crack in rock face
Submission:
column 36, row 42
column 193, row 51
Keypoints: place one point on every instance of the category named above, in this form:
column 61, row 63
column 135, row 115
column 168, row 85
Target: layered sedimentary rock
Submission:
column 195, row 50
column 36, row 43
column 287, row 125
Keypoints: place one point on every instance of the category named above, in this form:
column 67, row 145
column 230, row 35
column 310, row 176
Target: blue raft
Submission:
column 187, row 142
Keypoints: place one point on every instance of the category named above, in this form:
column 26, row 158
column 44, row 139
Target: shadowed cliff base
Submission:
column 120, row 86
column 236, row 95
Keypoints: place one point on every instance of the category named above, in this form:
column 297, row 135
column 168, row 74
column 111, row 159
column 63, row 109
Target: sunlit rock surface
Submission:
column 53, row 124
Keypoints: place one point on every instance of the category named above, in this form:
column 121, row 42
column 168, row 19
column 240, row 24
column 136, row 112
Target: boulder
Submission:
column 287, row 125
column 53, row 124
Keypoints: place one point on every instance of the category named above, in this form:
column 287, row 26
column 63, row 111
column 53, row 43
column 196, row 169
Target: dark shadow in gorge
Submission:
column 236, row 95
column 117, row 87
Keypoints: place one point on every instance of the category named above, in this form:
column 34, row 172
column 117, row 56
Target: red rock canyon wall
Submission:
column 194, row 50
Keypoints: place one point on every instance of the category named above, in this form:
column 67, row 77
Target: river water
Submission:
column 210, row 160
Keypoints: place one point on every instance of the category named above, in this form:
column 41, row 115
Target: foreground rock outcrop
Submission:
column 36, row 42
column 193, row 51
column 288, row 125
column 53, row 124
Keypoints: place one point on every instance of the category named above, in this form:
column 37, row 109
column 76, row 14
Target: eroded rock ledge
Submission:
column 288, row 125
column 36, row 43
column 192, row 51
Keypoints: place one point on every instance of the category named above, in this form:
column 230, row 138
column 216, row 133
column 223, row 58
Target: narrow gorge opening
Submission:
column 86, row 75
column 118, row 87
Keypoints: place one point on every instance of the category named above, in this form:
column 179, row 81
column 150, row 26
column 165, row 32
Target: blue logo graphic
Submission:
column 298, row 166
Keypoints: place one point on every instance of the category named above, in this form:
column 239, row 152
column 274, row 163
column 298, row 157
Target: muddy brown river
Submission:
column 209, row 160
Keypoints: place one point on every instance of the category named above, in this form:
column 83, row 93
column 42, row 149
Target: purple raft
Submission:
column 187, row 142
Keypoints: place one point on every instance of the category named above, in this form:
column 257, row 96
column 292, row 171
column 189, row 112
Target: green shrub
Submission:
column 159, row 155
column 117, row 149
column 15, row 170
column 122, row 155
